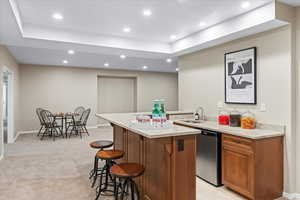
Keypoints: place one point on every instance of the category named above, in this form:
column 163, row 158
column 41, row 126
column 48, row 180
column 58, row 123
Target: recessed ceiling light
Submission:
column 173, row 37
column 71, row 52
column 145, row 67
column 65, row 61
column 177, row 69
column 126, row 29
column 57, row 16
column 147, row 12
column 202, row 24
column 169, row 60
column 246, row 4
column 106, row 64
column 122, row 56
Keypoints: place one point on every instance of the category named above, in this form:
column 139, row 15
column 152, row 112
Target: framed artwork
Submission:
column 240, row 77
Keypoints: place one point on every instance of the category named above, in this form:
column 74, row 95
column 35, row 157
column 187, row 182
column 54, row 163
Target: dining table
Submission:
column 64, row 119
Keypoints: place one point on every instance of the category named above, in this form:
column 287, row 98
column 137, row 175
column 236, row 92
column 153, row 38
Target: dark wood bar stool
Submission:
column 126, row 172
column 101, row 145
column 109, row 156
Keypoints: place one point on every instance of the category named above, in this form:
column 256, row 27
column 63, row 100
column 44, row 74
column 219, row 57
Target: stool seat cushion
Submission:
column 110, row 154
column 129, row 170
column 101, row 144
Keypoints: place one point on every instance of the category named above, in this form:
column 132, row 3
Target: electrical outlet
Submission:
column 220, row 104
column 263, row 107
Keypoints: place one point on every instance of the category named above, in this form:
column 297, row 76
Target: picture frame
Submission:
column 241, row 76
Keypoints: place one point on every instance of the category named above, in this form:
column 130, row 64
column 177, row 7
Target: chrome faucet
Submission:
column 200, row 116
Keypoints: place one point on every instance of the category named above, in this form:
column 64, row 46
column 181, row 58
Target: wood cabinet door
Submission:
column 157, row 178
column 238, row 170
column 135, row 153
column 134, row 147
column 184, row 167
column 120, row 141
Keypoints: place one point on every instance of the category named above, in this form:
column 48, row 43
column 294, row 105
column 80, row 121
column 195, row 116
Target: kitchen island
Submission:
column 252, row 160
column 169, row 156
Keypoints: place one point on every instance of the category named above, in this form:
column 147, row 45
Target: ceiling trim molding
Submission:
column 15, row 8
column 258, row 20
column 32, row 32
column 255, row 21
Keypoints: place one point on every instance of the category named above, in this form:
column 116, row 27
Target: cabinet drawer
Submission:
column 236, row 141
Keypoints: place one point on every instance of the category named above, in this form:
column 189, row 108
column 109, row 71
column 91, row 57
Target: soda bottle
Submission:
column 163, row 115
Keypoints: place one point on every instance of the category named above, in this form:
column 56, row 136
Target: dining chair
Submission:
column 84, row 119
column 78, row 111
column 52, row 129
column 42, row 124
column 79, row 127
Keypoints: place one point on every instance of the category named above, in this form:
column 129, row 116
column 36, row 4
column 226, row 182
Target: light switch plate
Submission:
column 263, row 107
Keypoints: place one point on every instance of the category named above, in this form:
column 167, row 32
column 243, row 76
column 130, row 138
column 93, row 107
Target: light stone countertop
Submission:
column 175, row 112
column 123, row 120
column 179, row 112
column 247, row 133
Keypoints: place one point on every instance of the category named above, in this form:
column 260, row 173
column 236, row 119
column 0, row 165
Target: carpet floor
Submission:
column 58, row 170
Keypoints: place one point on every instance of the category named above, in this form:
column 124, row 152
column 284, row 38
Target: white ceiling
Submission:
column 179, row 17
column 93, row 29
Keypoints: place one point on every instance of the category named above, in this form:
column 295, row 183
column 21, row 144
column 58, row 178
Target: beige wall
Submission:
column 123, row 97
column 6, row 60
column 201, row 82
column 64, row 88
column 297, row 61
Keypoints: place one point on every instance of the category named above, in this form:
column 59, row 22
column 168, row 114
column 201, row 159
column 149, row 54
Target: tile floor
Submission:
column 57, row 170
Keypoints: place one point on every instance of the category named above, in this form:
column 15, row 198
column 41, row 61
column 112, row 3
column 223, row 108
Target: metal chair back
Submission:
column 79, row 110
column 38, row 112
column 47, row 117
column 85, row 116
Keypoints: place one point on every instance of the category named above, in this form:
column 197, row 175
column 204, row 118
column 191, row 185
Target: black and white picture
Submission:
column 240, row 76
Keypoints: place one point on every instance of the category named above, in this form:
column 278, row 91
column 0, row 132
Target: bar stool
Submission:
column 100, row 144
column 126, row 172
column 109, row 156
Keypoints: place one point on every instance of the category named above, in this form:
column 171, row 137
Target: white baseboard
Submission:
column 103, row 125
column 36, row 131
column 26, row 132
column 16, row 137
column 291, row 196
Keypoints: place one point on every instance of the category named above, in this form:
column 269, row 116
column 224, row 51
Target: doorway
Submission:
column 5, row 107
column 116, row 95
column 7, row 99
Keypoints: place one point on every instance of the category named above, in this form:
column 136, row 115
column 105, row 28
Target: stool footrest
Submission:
column 124, row 187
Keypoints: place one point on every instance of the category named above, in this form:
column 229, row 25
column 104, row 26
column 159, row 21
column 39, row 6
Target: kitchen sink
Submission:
column 192, row 121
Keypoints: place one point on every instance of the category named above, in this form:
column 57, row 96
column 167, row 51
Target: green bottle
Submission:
column 163, row 115
column 156, row 110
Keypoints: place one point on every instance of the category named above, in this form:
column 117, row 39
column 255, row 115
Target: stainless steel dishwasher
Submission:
column 209, row 157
